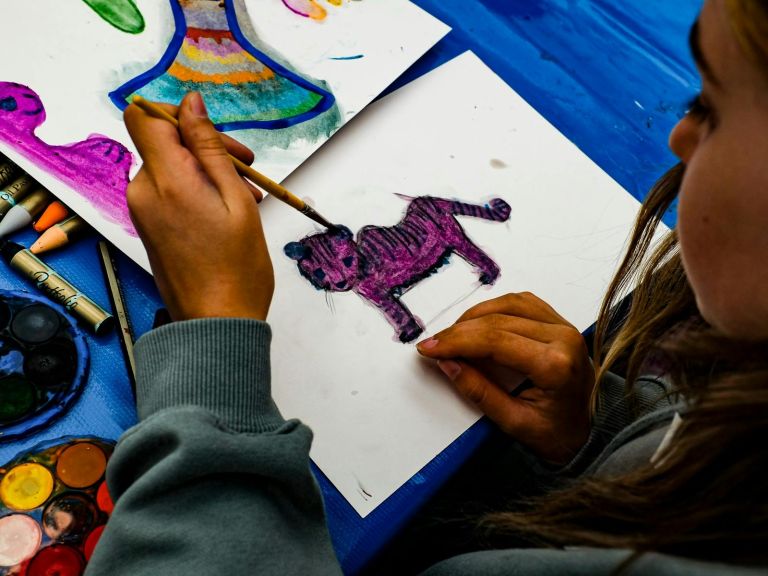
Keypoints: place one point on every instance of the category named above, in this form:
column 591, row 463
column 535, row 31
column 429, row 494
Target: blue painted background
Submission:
column 614, row 77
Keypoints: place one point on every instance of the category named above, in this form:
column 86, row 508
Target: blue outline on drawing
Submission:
column 119, row 95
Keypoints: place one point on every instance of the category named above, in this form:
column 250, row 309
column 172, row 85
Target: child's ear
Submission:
column 296, row 251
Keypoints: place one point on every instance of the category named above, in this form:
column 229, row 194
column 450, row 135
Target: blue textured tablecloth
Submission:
column 614, row 77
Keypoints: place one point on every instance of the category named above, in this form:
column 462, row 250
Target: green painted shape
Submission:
column 18, row 398
column 122, row 14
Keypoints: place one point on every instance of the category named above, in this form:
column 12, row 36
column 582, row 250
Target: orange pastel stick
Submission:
column 55, row 213
column 59, row 235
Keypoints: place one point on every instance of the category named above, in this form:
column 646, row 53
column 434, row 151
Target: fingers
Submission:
column 157, row 140
column 549, row 354
column 238, row 150
column 159, row 145
column 475, row 340
column 205, row 143
column 523, row 304
column 245, row 155
column 512, row 415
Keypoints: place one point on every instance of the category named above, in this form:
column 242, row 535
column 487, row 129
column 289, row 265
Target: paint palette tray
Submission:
column 43, row 363
column 54, row 505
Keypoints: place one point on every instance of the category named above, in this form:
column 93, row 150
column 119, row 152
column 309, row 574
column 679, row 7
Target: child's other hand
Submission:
column 198, row 219
column 497, row 343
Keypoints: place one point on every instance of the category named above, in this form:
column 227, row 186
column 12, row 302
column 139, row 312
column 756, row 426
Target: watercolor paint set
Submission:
column 44, row 362
column 54, row 504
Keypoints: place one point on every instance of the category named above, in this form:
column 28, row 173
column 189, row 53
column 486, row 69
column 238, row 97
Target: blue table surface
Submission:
column 613, row 77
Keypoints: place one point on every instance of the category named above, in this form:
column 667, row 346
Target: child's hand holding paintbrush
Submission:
column 198, row 219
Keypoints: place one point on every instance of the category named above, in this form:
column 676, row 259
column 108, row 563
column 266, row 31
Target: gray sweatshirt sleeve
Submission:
column 212, row 479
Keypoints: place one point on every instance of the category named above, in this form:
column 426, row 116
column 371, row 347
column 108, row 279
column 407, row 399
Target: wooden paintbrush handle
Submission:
column 243, row 169
column 268, row 184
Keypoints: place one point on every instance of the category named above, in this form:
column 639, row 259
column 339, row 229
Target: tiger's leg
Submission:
column 406, row 326
column 489, row 271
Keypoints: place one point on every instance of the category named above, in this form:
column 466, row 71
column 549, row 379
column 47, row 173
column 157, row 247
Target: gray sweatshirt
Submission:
column 213, row 480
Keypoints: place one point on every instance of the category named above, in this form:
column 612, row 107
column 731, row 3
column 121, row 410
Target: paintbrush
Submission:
column 115, row 293
column 244, row 170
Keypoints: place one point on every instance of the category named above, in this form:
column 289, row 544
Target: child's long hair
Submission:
column 707, row 496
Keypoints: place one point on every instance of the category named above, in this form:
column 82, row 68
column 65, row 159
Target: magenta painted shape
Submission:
column 381, row 264
column 96, row 168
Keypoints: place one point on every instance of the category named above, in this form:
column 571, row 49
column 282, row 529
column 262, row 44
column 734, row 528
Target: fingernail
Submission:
column 449, row 368
column 198, row 105
column 427, row 344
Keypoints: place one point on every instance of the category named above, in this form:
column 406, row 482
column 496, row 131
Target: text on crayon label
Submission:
column 67, row 298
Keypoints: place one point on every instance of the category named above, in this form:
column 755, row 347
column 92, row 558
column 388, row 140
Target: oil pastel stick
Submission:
column 7, row 171
column 25, row 211
column 53, row 285
column 55, row 213
column 15, row 191
column 60, row 234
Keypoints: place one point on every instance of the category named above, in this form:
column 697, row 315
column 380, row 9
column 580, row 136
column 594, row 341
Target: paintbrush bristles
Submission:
column 243, row 169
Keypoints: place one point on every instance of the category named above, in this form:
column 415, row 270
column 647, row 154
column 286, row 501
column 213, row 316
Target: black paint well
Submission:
column 35, row 324
column 52, row 364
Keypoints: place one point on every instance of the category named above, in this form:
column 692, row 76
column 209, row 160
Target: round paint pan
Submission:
column 70, row 517
column 19, row 399
column 44, row 362
column 35, row 324
column 20, row 538
column 59, row 559
column 91, row 541
column 81, row 465
column 51, row 365
column 26, row 486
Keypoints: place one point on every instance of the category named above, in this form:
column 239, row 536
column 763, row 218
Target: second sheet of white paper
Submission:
column 378, row 411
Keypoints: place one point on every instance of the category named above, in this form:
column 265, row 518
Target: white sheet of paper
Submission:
column 72, row 59
column 379, row 413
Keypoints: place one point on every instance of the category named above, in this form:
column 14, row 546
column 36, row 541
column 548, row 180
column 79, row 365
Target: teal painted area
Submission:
column 263, row 101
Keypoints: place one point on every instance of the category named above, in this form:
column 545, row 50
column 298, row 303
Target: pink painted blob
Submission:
column 96, row 168
column 306, row 8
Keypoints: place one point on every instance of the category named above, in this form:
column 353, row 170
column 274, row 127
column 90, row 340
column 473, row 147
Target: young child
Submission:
column 214, row 480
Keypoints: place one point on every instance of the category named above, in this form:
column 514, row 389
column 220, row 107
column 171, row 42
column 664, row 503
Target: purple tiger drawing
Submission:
column 383, row 263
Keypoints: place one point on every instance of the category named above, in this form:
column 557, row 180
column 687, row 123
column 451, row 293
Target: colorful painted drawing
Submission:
column 54, row 504
column 242, row 86
column 383, row 263
column 122, row 14
column 310, row 8
column 96, row 167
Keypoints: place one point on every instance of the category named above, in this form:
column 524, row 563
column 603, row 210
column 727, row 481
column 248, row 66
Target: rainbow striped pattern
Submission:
column 242, row 87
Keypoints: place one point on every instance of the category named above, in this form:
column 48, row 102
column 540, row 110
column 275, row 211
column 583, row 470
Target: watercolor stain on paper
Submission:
column 243, row 87
column 96, row 168
column 121, row 14
column 382, row 263
column 310, row 8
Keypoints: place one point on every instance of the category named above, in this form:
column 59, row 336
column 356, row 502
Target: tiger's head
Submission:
column 329, row 260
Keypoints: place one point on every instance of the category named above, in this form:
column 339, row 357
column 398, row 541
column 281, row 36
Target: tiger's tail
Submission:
column 497, row 209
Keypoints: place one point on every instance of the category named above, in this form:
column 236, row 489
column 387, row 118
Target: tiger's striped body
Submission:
column 385, row 261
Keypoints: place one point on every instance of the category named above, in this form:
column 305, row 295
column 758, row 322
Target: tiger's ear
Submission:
column 296, row 251
column 343, row 232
